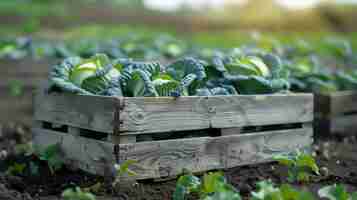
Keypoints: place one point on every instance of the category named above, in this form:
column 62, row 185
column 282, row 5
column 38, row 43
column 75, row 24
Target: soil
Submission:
column 335, row 156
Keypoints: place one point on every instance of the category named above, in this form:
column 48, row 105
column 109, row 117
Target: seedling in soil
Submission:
column 300, row 166
column 267, row 191
column 16, row 169
column 51, row 154
column 336, row 192
column 77, row 194
column 122, row 170
column 212, row 186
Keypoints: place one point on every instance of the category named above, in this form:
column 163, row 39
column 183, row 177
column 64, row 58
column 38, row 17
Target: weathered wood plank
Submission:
column 322, row 106
column 166, row 114
column 336, row 113
column 346, row 124
column 343, row 102
column 168, row 158
column 88, row 112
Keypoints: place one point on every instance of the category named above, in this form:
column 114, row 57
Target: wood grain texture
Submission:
column 343, row 102
column 87, row 112
column 322, row 107
column 336, row 113
column 167, row 114
column 169, row 157
column 344, row 125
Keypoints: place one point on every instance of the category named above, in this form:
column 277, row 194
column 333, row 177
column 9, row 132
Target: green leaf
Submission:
column 289, row 193
column 140, row 85
column 274, row 63
column 303, row 176
column 213, row 182
column 52, row 154
column 190, row 182
column 306, row 160
column 185, row 185
column 183, row 67
column 16, row 169
column 224, row 195
column 165, row 85
column 335, row 192
column 354, row 196
column 180, row 193
column 260, row 66
column 266, row 191
column 77, row 194
column 124, row 168
column 254, row 85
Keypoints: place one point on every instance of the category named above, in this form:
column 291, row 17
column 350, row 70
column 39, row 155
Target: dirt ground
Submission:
column 336, row 157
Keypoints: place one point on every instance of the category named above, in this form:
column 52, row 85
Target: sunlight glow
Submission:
column 171, row 5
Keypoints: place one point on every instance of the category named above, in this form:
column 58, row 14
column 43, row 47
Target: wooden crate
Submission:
column 336, row 113
column 221, row 131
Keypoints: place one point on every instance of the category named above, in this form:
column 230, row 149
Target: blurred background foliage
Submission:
column 223, row 22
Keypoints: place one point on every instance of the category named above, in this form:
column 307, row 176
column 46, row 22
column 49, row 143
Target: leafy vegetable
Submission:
column 52, row 154
column 96, row 75
column 336, row 192
column 300, row 165
column 123, row 169
column 77, row 194
column 212, row 187
column 16, row 169
column 267, row 191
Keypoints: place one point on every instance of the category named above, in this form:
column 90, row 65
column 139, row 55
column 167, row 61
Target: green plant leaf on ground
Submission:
column 334, row 192
column 16, row 169
column 77, row 194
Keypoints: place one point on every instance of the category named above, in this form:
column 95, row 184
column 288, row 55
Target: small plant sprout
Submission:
column 300, row 165
column 213, row 186
column 336, row 192
column 122, row 170
column 267, row 191
column 77, row 194
column 16, row 169
column 52, row 154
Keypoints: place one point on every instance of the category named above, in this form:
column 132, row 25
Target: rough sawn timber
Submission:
column 167, row 114
column 336, row 113
column 169, row 157
column 246, row 129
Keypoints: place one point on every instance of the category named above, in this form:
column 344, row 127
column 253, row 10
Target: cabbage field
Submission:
column 167, row 65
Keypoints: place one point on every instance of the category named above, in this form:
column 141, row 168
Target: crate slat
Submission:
column 343, row 102
column 169, row 157
column 166, row 114
column 344, row 124
column 336, row 113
